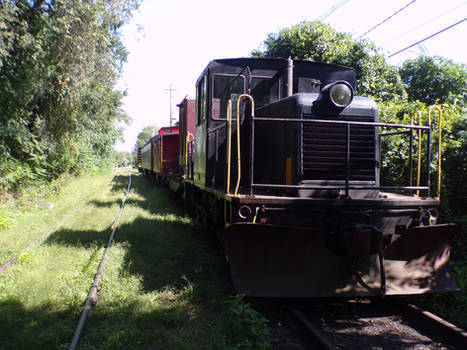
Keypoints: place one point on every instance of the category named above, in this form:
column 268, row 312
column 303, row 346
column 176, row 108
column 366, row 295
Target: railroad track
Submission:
column 93, row 293
column 14, row 257
column 363, row 325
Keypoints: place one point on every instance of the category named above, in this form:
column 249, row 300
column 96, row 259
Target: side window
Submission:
column 201, row 101
column 225, row 87
column 264, row 90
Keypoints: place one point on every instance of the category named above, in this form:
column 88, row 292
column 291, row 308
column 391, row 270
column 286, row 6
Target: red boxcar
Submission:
column 187, row 133
column 165, row 144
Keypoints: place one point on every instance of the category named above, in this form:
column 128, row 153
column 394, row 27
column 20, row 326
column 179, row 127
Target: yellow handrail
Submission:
column 440, row 113
column 229, row 142
column 187, row 141
column 419, row 162
column 238, row 135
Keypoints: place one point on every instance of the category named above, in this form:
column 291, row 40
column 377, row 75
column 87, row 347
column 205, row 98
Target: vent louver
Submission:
column 324, row 150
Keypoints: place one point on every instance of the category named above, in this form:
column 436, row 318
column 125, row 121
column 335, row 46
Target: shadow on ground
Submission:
column 164, row 250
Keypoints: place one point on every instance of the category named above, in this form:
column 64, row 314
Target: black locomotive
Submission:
column 285, row 164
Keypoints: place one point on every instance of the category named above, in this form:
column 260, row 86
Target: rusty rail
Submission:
column 93, row 292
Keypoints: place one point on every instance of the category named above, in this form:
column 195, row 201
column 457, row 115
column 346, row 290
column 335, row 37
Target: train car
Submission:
column 159, row 156
column 139, row 164
column 146, row 158
column 187, row 134
column 165, row 153
column 286, row 167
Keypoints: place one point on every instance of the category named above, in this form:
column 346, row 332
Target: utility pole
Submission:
column 170, row 97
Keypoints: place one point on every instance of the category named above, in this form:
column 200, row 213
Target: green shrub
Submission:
column 249, row 327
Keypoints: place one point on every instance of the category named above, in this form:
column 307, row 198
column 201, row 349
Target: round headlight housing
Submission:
column 341, row 94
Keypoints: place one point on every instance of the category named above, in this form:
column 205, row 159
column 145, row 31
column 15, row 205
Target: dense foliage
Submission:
column 59, row 63
column 145, row 134
column 435, row 80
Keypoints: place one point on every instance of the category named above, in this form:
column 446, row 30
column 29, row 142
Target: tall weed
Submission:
column 249, row 327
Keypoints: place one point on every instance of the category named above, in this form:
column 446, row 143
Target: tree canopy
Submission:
column 145, row 134
column 59, row 63
column 435, row 80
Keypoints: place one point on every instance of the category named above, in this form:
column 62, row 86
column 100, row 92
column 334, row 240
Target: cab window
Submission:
column 225, row 87
column 264, row 90
column 201, row 101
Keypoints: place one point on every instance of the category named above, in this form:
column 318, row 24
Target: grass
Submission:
column 165, row 286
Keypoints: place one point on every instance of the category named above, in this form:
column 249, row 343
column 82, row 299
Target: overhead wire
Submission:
column 423, row 24
column 428, row 37
column 387, row 18
column 333, row 9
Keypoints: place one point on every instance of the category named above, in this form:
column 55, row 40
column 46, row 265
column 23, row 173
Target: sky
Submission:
column 170, row 42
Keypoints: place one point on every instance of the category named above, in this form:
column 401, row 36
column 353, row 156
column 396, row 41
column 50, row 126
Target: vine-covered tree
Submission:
column 59, row 63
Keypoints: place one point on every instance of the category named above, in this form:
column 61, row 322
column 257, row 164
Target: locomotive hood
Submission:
column 302, row 104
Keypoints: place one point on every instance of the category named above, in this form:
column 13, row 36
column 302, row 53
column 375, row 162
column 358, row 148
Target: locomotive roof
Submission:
column 325, row 72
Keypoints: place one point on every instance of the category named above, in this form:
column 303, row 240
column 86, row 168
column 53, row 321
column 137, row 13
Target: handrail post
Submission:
column 411, row 154
column 238, row 137
column 229, row 143
column 419, row 162
column 440, row 113
column 187, row 142
column 428, row 161
column 252, row 151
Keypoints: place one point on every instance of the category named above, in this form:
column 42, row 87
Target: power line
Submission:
column 423, row 24
column 333, row 9
column 428, row 37
column 170, row 101
column 388, row 18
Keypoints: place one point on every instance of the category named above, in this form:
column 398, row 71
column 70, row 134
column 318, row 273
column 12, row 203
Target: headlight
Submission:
column 333, row 98
column 341, row 94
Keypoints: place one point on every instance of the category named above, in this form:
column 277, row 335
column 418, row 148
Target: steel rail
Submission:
column 420, row 320
column 450, row 333
column 93, row 295
column 317, row 334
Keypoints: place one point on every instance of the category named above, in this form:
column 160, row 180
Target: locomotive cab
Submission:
column 221, row 81
column 285, row 153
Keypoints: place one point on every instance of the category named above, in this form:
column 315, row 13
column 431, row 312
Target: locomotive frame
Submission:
column 292, row 187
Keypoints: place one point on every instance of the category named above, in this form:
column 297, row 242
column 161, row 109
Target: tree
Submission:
column 123, row 158
column 436, row 80
column 433, row 80
column 144, row 136
column 316, row 41
column 59, row 64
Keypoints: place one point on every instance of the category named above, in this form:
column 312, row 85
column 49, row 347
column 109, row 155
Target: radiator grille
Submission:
column 324, row 150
